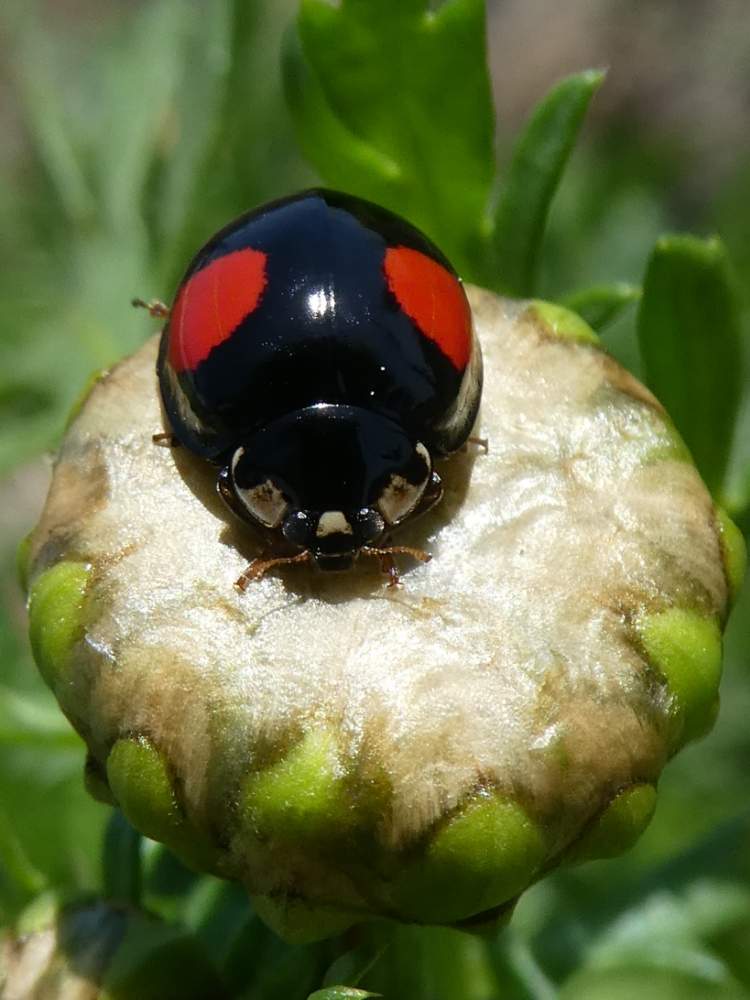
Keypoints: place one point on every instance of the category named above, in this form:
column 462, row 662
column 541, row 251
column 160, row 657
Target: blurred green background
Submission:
column 130, row 133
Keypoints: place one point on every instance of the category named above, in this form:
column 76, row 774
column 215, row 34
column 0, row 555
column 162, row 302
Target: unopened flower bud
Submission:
column 349, row 750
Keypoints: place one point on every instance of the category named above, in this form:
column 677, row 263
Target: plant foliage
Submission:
column 136, row 148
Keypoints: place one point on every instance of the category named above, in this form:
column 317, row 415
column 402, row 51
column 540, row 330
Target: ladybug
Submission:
column 320, row 351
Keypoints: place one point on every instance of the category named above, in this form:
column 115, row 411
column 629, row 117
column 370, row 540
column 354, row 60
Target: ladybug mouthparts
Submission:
column 331, row 478
column 334, row 537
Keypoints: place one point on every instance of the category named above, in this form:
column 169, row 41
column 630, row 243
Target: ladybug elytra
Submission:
column 320, row 351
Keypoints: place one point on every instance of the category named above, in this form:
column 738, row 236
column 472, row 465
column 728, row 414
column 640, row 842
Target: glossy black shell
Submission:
column 362, row 350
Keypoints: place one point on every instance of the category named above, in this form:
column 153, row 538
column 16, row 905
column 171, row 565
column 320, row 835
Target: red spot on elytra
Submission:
column 433, row 298
column 212, row 304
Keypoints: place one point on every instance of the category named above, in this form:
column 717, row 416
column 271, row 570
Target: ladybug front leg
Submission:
column 387, row 562
column 155, row 307
column 388, row 567
column 480, row 443
column 259, row 567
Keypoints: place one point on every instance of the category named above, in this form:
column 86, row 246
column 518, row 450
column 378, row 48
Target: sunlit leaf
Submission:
column 392, row 102
column 689, row 333
column 31, row 719
column 39, row 90
column 138, row 83
column 737, row 483
column 647, row 983
column 194, row 115
column 538, row 160
column 601, row 305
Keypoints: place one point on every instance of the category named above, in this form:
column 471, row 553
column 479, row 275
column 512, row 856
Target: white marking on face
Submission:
column 400, row 497
column 265, row 502
column 425, row 456
column 332, row 522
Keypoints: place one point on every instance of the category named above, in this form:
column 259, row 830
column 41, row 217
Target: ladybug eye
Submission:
column 264, row 501
column 403, row 490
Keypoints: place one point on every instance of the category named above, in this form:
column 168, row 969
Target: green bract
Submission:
column 619, row 825
column 734, row 551
column 56, row 618
column 347, row 751
column 140, row 783
column 561, row 322
column 685, row 647
column 485, row 855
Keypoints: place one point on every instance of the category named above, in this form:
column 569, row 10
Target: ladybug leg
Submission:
column 155, row 308
column 165, row 439
column 402, row 550
column 259, row 567
column 480, row 443
column 388, row 566
column 387, row 563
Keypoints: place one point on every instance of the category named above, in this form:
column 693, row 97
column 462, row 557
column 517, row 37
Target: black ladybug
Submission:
column 320, row 351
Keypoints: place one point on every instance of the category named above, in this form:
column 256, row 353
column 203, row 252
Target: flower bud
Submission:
column 347, row 750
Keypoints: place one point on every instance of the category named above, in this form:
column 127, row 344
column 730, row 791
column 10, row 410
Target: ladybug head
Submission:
column 331, row 478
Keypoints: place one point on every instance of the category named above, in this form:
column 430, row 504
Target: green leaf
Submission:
column 537, row 164
column 121, row 861
column 42, row 107
column 33, row 719
column 138, row 83
column 217, row 912
column 517, row 970
column 690, row 340
column 430, row 963
column 47, row 795
column 155, row 960
column 601, row 305
column 352, row 966
column 250, row 154
column 341, row 993
column 15, row 865
column 260, row 966
column 737, row 485
column 650, row 984
column 195, row 110
column 663, row 935
column 391, row 101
